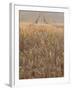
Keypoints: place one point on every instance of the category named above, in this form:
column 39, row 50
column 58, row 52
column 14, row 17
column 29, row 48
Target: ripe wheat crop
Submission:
column 41, row 51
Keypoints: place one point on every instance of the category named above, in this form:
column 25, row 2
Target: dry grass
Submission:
column 41, row 51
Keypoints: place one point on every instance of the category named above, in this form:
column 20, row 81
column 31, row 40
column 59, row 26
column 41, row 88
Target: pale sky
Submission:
column 41, row 16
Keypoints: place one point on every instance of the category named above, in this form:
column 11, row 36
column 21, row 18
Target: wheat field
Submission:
column 41, row 50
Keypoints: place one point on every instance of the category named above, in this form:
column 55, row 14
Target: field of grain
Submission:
column 41, row 50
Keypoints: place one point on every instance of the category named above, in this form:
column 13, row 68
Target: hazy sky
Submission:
column 41, row 16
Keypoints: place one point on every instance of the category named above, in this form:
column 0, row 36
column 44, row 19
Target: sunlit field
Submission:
column 41, row 50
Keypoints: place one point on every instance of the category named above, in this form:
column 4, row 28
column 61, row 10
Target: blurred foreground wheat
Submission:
column 41, row 51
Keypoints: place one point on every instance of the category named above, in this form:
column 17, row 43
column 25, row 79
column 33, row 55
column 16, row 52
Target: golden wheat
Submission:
column 41, row 50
